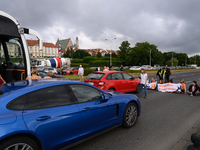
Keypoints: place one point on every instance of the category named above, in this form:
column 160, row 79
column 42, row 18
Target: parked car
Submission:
column 113, row 80
column 43, row 74
column 46, row 69
column 53, row 114
column 146, row 67
column 135, row 68
column 70, row 71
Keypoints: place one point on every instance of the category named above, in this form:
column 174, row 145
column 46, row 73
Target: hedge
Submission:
column 88, row 71
column 78, row 64
column 89, row 59
column 77, row 60
column 106, row 63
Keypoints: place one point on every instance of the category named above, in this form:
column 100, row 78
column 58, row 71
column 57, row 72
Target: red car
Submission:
column 113, row 80
column 70, row 71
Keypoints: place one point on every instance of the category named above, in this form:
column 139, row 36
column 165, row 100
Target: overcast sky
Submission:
column 172, row 25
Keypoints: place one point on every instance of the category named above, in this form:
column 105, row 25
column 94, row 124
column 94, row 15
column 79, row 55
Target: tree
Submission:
column 125, row 45
column 99, row 55
column 113, row 55
column 131, row 57
column 175, row 62
column 66, row 55
column 80, row 54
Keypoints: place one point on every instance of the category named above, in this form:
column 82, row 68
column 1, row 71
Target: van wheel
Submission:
column 19, row 143
column 111, row 89
column 130, row 115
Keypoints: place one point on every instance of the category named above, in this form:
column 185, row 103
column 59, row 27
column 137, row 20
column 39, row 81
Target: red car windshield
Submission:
column 95, row 76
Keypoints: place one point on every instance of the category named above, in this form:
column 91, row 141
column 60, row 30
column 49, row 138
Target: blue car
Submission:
column 56, row 114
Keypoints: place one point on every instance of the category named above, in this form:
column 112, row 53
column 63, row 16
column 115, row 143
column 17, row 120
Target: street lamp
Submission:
column 150, row 57
column 110, row 51
column 172, row 58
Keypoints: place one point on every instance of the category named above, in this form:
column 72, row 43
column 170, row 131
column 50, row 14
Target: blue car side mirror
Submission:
column 105, row 97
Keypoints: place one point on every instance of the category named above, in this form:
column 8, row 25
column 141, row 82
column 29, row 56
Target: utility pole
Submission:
column 150, row 57
column 172, row 58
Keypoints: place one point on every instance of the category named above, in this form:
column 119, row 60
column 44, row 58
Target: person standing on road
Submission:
column 80, row 73
column 160, row 74
column 167, row 74
column 143, row 82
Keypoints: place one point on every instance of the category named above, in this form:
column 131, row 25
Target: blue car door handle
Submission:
column 86, row 109
column 43, row 118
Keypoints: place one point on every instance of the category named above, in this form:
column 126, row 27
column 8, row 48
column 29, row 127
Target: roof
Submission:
column 107, row 72
column 63, row 43
column 35, row 42
column 29, row 85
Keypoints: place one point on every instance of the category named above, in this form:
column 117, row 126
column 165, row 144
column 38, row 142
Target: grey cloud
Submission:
column 171, row 25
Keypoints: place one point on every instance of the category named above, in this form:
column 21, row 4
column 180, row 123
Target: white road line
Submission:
column 188, row 81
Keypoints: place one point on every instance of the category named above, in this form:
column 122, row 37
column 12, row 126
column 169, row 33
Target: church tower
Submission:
column 77, row 44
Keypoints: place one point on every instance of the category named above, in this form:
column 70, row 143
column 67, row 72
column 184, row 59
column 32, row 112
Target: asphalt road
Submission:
column 165, row 118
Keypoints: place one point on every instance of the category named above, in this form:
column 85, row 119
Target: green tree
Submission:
column 143, row 51
column 175, row 62
column 99, row 55
column 125, row 45
column 80, row 54
column 131, row 57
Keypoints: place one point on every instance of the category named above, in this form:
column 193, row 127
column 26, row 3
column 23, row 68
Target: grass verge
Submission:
column 135, row 74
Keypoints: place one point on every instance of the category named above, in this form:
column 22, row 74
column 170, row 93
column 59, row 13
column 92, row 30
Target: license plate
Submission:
column 91, row 83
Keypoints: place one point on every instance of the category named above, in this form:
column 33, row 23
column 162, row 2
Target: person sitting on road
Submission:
column 161, row 81
column 153, row 80
column 171, row 81
column 34, row 75
column 49, row 75
column 183, row 86
column 192, row 91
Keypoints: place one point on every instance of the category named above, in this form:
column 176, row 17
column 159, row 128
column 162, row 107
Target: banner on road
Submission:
column 152, row 86
column 169, row 87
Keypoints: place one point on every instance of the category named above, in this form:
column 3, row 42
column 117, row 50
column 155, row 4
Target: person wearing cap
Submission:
column 183, row 86
column 167, row 74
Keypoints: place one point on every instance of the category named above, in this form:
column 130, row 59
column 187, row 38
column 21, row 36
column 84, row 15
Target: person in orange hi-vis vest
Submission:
column 183, row 86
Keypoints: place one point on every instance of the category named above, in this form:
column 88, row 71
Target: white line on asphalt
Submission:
column 188, row 81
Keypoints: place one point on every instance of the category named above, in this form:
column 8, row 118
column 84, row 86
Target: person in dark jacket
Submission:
column 193, row 89
column 161, row 74
column 121, row 68
column 167, row 74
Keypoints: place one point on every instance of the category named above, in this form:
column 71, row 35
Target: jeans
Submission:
column 145, row 89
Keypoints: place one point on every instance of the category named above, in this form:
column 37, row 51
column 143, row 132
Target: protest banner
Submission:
column 152, row 86
column 169, row 87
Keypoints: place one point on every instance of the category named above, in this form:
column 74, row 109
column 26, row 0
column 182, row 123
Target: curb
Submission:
column 185, row 140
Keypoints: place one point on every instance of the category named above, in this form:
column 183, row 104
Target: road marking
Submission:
column 188, row 81
column 184, row 75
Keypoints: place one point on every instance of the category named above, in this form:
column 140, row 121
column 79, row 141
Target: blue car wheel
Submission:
column 130, row 115
column 19, row 143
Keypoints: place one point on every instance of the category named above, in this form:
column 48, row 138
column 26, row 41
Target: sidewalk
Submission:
column 185, row 140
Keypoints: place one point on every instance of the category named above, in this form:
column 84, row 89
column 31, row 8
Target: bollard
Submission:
column 195, row 138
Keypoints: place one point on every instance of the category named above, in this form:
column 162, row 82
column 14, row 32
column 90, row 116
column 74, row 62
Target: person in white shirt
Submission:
column 143, row 82
column 80, row 73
